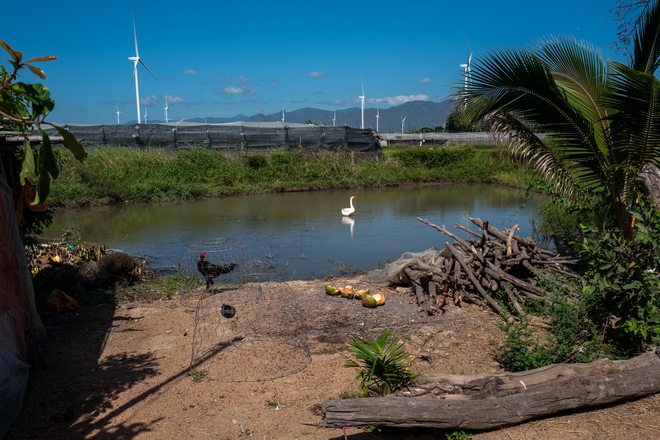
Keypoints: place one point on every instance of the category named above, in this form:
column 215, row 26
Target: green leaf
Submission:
column 28, row 171
column 72, row 143
column 47, row 167
column 39, row 96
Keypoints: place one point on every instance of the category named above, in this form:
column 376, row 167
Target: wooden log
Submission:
column 493, row 304
column 492, row 230
column 422, row 301
column 509, row 239
column 518, row 282
column 457, row 269
column 512, row 298
column 418, row 277
column 510, row 407
column 468, row 230
column 433, row 295
column 442, row 229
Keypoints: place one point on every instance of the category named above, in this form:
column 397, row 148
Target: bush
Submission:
column 622, row 290
column 572, row 338
column 433, row 158
column 256, row 161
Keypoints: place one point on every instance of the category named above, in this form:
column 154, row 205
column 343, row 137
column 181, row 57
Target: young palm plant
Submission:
column 384, row 363
column 600, row 118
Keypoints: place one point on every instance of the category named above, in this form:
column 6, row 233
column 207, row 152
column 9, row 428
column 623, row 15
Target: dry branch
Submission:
column 482, row 263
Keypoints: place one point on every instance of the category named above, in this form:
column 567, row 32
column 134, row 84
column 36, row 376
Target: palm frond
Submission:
column 646, row 41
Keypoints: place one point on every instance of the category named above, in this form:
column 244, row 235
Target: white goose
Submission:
column 349, row 211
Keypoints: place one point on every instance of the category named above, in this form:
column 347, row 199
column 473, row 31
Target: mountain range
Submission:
column 417, row 114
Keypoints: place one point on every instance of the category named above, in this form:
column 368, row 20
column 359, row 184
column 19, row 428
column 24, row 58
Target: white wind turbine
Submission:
column 377, row 117
column 166, row 108
column 403, row 120
column 334, row 118
column 466, row 65
column 282, row 114
column 362, row 103
column 136, row 60
column 118, row 112
column 145, row 114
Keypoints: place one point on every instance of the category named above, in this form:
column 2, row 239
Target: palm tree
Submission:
column 600, row 117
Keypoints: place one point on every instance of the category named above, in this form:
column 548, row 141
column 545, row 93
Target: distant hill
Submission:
column 219, row 120
column 418, row 114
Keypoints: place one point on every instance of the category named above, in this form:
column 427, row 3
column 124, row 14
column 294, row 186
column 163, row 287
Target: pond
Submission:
column 304, row 233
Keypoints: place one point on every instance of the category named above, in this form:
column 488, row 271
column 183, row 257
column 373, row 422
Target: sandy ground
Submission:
column 123, row 372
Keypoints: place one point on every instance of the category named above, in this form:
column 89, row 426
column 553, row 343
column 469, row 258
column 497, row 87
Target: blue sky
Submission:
column 220, row 59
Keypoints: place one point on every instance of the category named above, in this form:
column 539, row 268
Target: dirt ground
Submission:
column 123, row 372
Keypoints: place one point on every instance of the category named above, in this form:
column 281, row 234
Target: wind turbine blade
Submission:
column 149, row 70
column 134, row 34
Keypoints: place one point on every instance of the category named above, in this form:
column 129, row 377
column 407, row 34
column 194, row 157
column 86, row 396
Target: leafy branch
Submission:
column 26, row 106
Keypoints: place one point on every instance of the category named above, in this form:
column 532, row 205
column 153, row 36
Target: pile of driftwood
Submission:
column 492, row 259
column 487, row 402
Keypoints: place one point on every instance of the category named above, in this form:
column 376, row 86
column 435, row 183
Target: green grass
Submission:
column 144, row 176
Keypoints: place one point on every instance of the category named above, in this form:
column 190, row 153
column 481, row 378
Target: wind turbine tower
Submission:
column 145, row 114
column 166, row 108
column 136, row 60
column 282, row 114
column 377, row 116
column 334, row 118
column 466, row 66
column 362, row 104
column 403, row 120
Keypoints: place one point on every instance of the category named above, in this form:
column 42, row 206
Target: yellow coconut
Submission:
column 368, row 301
column 330, row 290
column 380, row 298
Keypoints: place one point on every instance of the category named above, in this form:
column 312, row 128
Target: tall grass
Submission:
column 135, row 176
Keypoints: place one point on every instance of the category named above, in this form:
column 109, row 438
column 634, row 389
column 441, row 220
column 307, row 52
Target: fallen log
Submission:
column 509, row 408
column 480, row 386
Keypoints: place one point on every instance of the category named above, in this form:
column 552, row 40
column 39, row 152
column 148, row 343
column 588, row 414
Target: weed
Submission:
column 197, row 376
column 458, row 435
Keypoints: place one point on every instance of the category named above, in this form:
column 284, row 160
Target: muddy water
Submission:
column 304, row 234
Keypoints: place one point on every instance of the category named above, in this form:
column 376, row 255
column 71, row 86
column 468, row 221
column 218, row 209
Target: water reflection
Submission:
column 300, row 231
column 349, row 221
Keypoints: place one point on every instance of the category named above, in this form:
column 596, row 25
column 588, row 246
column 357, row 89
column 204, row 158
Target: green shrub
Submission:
column 622, row 290
column 256, row 161
column 433, row 158
column 383, row 364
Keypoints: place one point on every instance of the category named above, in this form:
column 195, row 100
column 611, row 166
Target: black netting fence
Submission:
column 229, row 137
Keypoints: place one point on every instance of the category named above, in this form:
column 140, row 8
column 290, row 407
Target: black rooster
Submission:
column 210, row 270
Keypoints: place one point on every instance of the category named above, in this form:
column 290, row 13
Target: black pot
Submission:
column 228, row 311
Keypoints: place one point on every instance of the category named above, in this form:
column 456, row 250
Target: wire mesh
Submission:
column 253, row 332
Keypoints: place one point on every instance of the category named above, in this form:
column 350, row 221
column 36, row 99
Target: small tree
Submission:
column 600, row 117
column 23, row 108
